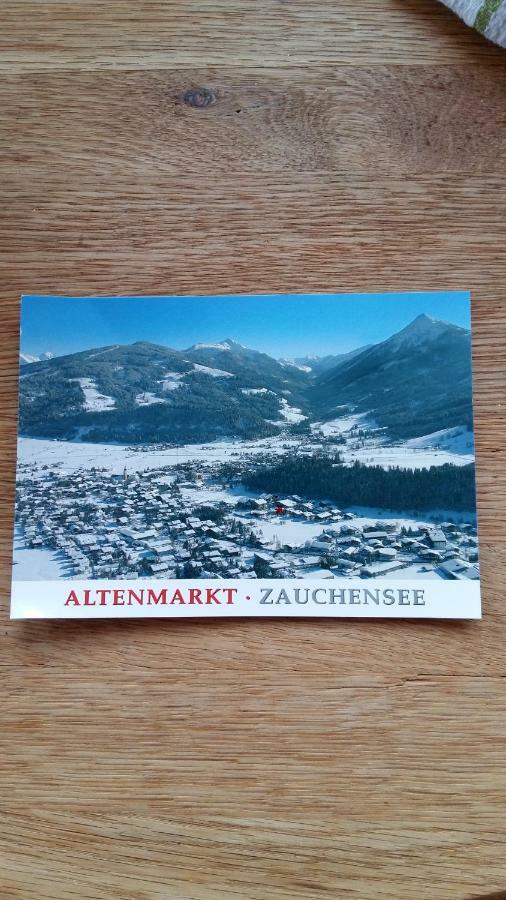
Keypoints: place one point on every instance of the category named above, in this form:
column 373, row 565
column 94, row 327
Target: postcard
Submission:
column 271, row 455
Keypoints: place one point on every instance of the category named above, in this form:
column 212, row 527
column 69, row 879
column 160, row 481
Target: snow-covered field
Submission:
column 36, row 565
column 406, row 457
column 171, row 381
column 202, row 496
column 451, row 445
column 291, row 414
column 94, row 401
column 456, row 440
column 288, row 531
column 344, row 424
column 292, row 532
column 74, row 455
column 368, row 516
column 147, row 398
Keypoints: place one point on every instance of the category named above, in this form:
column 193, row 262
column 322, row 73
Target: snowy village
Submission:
column 218, row 459
column 194, row 519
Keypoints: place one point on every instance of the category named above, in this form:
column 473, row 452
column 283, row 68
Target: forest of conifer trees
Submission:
column 327, row 478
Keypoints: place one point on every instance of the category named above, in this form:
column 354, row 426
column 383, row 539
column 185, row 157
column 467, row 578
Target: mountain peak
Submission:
column 423, row 319
column 423, row 327
column 423, row 324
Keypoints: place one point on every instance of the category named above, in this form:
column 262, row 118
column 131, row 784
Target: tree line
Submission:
column 327, row 478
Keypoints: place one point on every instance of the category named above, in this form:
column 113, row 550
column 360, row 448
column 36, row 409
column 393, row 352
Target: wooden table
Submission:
column 265, row 145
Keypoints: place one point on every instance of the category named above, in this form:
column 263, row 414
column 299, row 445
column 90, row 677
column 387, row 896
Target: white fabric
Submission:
column 496, row 30
column 468, row 10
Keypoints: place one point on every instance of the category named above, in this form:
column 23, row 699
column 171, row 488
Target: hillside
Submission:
column 146, row 392
column 416, row 383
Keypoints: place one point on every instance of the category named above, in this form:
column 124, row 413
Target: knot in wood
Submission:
column 199, row 98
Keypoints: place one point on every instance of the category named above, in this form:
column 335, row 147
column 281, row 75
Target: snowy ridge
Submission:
column 25, row 358
column 422, row 329
column 101, row 352
column 214, row 373
column 294, row 365
column 222, row 346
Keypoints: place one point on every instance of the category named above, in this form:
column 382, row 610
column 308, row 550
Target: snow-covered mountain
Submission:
column 25, row 358
column 416, row 383
column 147, row 392
column 423, row 331
column 320, row 364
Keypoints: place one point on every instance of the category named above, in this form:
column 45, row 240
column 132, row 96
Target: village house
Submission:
column 436, row 539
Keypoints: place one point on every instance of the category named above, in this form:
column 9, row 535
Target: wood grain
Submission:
column 165, row 34
column 380, row 120
column 255, row 823
column 242, row 147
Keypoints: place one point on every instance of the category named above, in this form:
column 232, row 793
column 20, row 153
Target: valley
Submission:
column 220, row 461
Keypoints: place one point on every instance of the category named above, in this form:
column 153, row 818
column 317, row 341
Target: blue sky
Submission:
column 281, row 325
